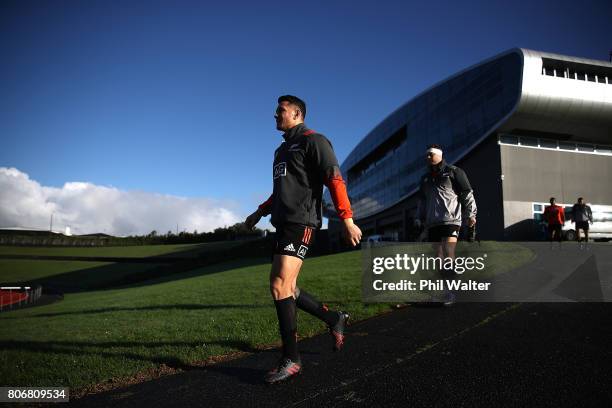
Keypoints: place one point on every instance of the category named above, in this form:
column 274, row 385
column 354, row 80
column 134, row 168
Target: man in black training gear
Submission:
column 445, row 200
column 582, row 216
column 303, row 164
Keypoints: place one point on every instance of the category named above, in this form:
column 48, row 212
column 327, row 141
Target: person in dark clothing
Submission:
column 555, row 218
column 303, row 164
column 445, row 200
column 582, row 216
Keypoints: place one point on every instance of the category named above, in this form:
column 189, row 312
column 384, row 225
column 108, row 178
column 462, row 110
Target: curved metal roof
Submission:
column 579, row 109
column 547, row 103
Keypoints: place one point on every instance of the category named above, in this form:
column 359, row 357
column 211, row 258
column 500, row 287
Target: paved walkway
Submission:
column 472, row 354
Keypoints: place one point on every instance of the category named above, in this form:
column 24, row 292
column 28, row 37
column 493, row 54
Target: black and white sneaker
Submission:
column 285, row 370
column 337, row 330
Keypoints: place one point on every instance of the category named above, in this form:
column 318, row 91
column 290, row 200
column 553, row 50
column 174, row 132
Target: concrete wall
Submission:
column 483, row 168
column 535, row 175
column 518, row 221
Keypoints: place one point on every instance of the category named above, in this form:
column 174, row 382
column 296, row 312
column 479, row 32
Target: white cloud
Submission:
column 89, row 208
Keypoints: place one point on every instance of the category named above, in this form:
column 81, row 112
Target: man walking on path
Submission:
column 445, row 199
column 582, row 216
column 303, row 164
column 555, row 217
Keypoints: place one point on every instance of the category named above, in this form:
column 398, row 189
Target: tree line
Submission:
column 46, row 238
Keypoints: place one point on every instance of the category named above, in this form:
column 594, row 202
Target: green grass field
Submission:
column 70, row 276
column 80, row 275
column 90, row 337
column 186, row 250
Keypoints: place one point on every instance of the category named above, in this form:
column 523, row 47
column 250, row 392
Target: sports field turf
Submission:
column 79, row 275
column 176, row 321
column 120, row 251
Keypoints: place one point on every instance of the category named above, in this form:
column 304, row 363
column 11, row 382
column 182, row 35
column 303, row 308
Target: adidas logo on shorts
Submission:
column 289, row 248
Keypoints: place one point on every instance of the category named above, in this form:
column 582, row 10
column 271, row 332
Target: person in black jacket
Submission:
column 303, row 164
column 445, row 200
column 582, row 216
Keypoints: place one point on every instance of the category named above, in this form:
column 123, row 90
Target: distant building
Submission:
column 14, row 230
column 524, row 125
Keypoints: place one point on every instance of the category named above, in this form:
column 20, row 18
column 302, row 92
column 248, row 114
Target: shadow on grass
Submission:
column 119, row 275
column 134, row 309
column 84, row 348
column 243, row 374
column 222, row 365
column 133, row 271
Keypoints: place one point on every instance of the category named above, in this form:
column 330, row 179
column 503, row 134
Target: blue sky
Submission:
column 177, row 98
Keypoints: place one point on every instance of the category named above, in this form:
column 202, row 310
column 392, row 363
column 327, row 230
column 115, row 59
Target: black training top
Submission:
column 300, row 165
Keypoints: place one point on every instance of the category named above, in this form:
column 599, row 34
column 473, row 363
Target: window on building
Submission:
column 604, row 149
column 529, row 141
column 576, row 70
column 549, row 144
column 509, row 139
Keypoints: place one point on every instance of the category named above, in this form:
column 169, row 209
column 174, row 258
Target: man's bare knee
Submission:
column 283, row 276
column 276, row 288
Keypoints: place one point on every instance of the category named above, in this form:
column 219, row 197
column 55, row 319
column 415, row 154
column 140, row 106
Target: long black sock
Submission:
column 308, row 303
column 287, row 323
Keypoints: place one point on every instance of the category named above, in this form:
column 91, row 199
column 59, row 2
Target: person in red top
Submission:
column 555, row 218
column 303, row 164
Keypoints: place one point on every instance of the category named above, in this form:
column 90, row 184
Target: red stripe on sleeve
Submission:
column 337, row 188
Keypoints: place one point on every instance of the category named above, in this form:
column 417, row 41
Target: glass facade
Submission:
column 455, row 114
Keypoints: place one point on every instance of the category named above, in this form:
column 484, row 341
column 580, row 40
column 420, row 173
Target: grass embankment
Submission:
column 90, row 337
column 79, row 275
column 176, row 321
column 183, row 250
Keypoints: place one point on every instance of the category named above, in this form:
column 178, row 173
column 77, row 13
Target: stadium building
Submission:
column 524, row 125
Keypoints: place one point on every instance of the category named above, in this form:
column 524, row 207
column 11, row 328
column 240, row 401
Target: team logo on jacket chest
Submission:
column 280, row 170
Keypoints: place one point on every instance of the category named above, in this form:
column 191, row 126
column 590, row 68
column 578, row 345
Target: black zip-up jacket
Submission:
column 582, row 213
column 300, row 165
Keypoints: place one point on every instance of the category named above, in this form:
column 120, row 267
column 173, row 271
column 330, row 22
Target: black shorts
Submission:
column 555, row 228
column 294, row 240
column 583, row 225
column 440, row 232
